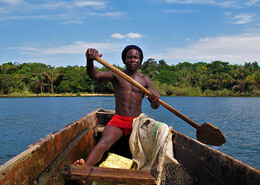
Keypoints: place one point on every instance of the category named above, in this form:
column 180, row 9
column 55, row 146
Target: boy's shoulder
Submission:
column 139, row 73
column 142, row 75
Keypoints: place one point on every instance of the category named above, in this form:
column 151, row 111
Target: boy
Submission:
column 128, row 99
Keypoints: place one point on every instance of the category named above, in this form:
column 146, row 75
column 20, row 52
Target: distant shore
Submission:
column 29, row 94
column 56, row 95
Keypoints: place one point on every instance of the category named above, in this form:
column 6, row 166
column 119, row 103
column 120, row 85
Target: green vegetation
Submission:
column 184, row 79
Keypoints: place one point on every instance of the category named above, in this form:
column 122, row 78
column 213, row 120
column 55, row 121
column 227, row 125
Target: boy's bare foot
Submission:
column 80, row 162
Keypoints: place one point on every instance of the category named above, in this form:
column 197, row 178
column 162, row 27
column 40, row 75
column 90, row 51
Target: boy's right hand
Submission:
column 92, row 54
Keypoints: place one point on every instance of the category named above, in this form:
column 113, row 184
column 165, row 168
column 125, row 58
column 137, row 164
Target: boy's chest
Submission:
column 122, row 84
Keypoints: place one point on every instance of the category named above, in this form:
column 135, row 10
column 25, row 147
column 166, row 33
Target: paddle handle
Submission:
column 139, row 86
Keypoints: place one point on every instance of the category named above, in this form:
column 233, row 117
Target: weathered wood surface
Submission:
column 26, row 167
column 78, row 148
column 91, row 173
column 211, row 166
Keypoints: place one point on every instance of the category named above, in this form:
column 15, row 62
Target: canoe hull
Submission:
column 44, row 161
column 211, row 166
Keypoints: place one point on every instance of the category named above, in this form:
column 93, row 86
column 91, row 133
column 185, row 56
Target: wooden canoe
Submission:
column 45, row 162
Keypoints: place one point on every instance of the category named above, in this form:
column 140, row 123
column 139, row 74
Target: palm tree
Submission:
column 50, row 76
column 254, row 80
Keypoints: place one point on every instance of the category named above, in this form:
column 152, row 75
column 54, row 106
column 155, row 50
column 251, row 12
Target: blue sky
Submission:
column 58, row 33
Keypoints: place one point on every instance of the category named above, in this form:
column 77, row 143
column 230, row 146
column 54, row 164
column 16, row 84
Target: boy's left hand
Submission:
column 154, row 96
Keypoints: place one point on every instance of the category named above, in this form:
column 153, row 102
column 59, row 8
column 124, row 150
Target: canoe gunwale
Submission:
column 27, row 166
column 48, row 172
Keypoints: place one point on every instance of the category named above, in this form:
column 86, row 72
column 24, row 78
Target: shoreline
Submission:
column 27, row 95
column 56, row 95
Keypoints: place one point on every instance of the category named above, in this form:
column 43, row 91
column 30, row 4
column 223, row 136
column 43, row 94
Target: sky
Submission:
column 58, row 33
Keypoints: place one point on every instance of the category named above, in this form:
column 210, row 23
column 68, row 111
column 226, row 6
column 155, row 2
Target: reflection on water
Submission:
column 24, row 120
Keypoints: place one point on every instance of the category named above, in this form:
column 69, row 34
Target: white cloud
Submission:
column 234, row 49
column 108, row 14
column 46, row 6
column 134, row 35
column 244, row 18
column 29, row 17
column 73, row 53
column 225, row 4
column 118, row 36
column 10, row 2
column 253, row 3
column 190, row 1
column 95, row 4
column 129, row 35
column 77, row 47
column 72, row 11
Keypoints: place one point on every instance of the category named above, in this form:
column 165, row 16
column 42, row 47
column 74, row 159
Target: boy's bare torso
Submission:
column 128, row 97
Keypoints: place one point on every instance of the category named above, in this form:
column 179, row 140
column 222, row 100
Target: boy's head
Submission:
column 132, row 47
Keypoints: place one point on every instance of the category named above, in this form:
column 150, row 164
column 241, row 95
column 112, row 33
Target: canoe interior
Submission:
column 44, row 161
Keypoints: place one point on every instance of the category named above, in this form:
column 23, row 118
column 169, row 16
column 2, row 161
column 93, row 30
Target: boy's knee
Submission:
column 103, row 145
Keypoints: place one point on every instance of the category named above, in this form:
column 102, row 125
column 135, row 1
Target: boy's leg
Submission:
column 109, row 136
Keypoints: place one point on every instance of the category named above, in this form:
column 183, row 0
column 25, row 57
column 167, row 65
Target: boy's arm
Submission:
column 91, row 55
column 154, row 96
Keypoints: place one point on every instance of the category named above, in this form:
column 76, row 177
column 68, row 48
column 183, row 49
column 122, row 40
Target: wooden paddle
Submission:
column 206, row 133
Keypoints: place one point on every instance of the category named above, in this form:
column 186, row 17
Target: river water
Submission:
column 24, row 121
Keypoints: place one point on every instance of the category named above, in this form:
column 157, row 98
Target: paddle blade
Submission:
column 210, row 135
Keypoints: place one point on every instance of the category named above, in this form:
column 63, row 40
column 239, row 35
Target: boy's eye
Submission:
column 134, row 57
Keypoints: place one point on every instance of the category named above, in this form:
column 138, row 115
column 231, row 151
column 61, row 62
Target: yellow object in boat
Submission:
column 117, row 161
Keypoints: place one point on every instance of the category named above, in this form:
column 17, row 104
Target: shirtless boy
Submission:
column 128, row 99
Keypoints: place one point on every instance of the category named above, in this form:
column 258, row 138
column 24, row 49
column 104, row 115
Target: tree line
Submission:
column 217, row 78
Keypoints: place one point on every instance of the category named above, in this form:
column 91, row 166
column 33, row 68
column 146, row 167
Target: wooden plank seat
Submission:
column 99, row 174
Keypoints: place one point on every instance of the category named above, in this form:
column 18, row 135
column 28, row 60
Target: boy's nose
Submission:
column 133, row 58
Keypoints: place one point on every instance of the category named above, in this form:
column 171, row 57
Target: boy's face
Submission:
column 132, row 60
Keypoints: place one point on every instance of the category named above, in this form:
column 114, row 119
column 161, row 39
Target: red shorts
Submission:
column 122, row 122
